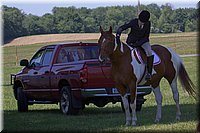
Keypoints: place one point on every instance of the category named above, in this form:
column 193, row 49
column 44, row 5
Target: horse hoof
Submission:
column 157, row 121
column 133, row 123
column 128, row 123
column 178, row 118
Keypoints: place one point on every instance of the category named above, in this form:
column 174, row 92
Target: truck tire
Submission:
column 66, row 106
column 22, row 102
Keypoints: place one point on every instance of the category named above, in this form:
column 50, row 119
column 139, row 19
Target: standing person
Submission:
column 139, row 37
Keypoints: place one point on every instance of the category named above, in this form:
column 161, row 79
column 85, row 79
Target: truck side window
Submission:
column 47, row 57
column 37, row 58
column 63, row 56
column 78, row 53
column 81, row 53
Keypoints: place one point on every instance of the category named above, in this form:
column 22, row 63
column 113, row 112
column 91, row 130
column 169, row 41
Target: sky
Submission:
column 40, row 7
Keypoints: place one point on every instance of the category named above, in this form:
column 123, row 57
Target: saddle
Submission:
column 141, row 57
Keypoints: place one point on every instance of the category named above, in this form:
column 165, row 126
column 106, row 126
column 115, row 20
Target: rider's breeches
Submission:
column 147, row 48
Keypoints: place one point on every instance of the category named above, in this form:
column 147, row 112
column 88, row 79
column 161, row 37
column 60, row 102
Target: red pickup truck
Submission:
column 69, row 74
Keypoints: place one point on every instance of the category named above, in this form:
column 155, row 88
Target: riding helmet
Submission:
column 144, row 16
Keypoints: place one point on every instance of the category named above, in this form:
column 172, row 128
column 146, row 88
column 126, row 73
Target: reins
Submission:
column 103, row 72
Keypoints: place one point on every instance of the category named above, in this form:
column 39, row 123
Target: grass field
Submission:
column 47, row 118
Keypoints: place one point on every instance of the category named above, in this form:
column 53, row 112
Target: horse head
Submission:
column 106, row 43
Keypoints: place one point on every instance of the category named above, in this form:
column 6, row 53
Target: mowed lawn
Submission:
column 47, row 118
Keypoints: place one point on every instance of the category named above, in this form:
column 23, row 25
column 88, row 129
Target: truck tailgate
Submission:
column 99, row 75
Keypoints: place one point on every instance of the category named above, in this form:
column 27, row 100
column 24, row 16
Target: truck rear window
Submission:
column 73, row 54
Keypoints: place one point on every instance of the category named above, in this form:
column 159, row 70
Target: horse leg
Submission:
column 133, row 97
column 158, row 97
column 124, row 96
column 127, row 111
column 176, row 98
column 133, row 108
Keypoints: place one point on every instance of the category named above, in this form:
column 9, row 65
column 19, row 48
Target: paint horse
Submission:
column 128, row 71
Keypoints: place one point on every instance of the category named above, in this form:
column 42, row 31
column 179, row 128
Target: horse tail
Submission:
column 186, row 82
column 184, row 78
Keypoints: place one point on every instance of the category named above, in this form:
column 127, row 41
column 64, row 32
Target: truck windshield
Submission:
column 73, row 54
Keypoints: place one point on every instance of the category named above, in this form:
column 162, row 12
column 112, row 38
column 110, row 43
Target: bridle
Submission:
column 109, row 41
column 104, row 38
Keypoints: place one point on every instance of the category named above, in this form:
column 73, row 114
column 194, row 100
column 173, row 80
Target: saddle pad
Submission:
column 156, row 60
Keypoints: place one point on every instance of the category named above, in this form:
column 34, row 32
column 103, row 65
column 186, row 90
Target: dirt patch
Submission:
column 49, row 38
column 77, row 37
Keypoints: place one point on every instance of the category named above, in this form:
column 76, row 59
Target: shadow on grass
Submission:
column 147, row 115
column 6, row 84
column 91, row 119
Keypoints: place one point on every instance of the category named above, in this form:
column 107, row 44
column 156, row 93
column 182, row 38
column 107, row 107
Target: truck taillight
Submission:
column 84, row 74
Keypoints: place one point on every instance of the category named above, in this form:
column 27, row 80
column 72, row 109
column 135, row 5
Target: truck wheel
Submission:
column 66, row 101
column 22, row 102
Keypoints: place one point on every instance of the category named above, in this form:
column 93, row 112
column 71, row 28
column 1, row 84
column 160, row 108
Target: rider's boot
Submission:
column 149, row 67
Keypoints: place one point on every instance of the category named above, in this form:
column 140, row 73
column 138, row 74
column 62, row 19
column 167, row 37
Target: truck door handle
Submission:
column 46, row 72
column 35, row 73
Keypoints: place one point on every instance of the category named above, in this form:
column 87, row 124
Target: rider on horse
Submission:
column 139, row 37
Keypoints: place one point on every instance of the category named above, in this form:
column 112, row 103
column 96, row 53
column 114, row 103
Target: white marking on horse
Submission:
column 103, row 40
column 133, row 108
column 176, row 60
column 115, row 45
column 100, row 58
column 158, row 97
column 176, row 98
column 138, row 69
column 126, row 107
column 122, row 48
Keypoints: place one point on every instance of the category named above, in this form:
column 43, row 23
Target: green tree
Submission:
column 47, row 21
column 190, row 26
column 167, row 28
column 99, row 15
column 12, row 23
column 193, row 17
column 154, row 21
column 165, row 19
column 67, row 19
column 89, row 25
column 75, row 20
column 154, row 9
column 33, row 25
column 113, row 16
column 179, row 17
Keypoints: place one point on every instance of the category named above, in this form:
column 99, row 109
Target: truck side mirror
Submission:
column 24, row 62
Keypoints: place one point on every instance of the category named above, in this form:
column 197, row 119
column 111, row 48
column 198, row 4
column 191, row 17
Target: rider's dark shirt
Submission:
column 137, row 36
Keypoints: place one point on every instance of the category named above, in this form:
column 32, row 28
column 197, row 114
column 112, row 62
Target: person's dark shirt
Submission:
column 137, row 36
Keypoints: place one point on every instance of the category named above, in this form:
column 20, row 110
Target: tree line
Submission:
column 164, row 19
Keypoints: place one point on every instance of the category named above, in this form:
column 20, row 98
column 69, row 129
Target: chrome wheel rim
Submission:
column 65, row 102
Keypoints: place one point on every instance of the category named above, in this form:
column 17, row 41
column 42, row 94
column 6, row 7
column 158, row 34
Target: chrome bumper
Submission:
column 112, row 92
